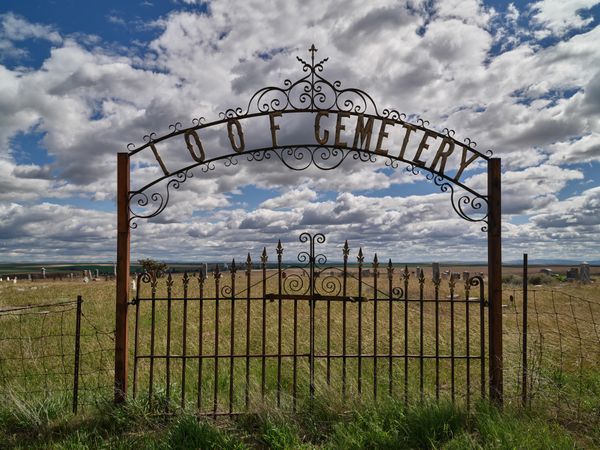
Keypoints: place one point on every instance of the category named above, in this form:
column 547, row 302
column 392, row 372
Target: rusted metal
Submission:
column 495, row 279
column 315, row 95
column 122, row 293
column 76, row 360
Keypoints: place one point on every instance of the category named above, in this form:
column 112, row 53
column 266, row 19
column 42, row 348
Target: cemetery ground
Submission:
column 564, row 411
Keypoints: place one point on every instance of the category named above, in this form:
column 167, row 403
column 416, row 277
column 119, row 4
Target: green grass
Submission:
column 389, row 425
column 565, row 381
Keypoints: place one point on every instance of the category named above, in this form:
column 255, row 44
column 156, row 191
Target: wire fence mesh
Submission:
column 53, row 350
column 562, row 351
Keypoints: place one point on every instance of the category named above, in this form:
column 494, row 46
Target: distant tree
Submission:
column 151, row 265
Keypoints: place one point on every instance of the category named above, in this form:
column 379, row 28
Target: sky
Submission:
column 81, row 80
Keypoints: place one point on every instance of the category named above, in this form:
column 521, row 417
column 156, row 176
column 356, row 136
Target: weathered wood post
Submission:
column 495, row 279
column 122, row 298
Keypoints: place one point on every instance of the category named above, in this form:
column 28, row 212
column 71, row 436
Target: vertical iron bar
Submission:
column 390, row 273
column 185, row 281
column 77, row 352
column 482, row 305
column 263, row 261
column 375, row 273
column 153, row 285
column 232, row 336
column 217, row 276
column 136, row 335
column 360, row 259
column 168, row 352
column 312, row 303
column 346, row 252
column 406, row 276
column 201, row 278
column 279, row 320
column 421, row 326
column 248, row 288
column 468, row 343
column 295, row 357
column 436, row 284
column 452, row 361
column 494, row 228
column 122, row 288
column 525, row 362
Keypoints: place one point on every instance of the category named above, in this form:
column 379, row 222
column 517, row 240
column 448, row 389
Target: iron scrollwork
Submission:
column 313, row 93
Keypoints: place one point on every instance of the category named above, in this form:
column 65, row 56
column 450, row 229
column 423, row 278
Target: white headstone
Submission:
column 86, row 280
column 15, row 280
column 133, row 285
column 43, row 272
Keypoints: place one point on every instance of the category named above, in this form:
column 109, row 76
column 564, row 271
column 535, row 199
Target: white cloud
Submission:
column 559, row 16
column 88, row 103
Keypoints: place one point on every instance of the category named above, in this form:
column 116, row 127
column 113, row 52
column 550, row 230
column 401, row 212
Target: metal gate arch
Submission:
column 314, row 95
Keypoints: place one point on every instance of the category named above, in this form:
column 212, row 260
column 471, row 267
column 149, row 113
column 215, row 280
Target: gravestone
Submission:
column 29, row 277
column 43, row 272
column 115, row 269
column 97, row 273
column 584, row 273
column 572, row 274
column 466, row 275
column 435, row 271
column 133, row 285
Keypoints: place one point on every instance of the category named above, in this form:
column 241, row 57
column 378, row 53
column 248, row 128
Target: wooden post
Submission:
column 495, row 280
column 122, row 298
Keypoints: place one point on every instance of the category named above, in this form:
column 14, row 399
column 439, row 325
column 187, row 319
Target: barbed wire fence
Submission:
column 54, row 352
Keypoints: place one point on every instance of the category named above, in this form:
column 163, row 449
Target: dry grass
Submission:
column 564, row 344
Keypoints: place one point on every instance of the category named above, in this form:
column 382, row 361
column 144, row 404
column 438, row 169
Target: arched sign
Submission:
column 309, row 123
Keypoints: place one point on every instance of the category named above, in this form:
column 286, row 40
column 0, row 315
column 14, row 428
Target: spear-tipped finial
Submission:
column 263, row 257
column 375, row 261
column 233, row 267
column 360, row 258
column 346, row 249
column 405, row 273
column 248, row 264
column 279, row 249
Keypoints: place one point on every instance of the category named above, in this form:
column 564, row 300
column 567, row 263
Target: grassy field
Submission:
column 563, row 346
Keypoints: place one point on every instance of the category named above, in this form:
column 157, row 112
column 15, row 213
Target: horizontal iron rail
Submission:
column 334, row 298
column 305, row 355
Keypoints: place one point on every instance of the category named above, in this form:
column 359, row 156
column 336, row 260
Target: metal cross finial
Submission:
column 313, row 50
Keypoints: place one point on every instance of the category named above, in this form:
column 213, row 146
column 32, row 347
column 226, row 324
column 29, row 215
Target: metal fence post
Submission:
column 495, row 279
column 122, row 298
column 77, row 352
column 525, row 288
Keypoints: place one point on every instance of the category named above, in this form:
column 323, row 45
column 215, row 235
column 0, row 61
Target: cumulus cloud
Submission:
column 535, row 106
column 558, row 17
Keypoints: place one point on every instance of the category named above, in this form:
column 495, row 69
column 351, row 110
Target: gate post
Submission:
column 495, row 280
column 122, row 297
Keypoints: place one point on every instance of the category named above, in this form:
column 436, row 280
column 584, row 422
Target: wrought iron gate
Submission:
column 284, row 333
